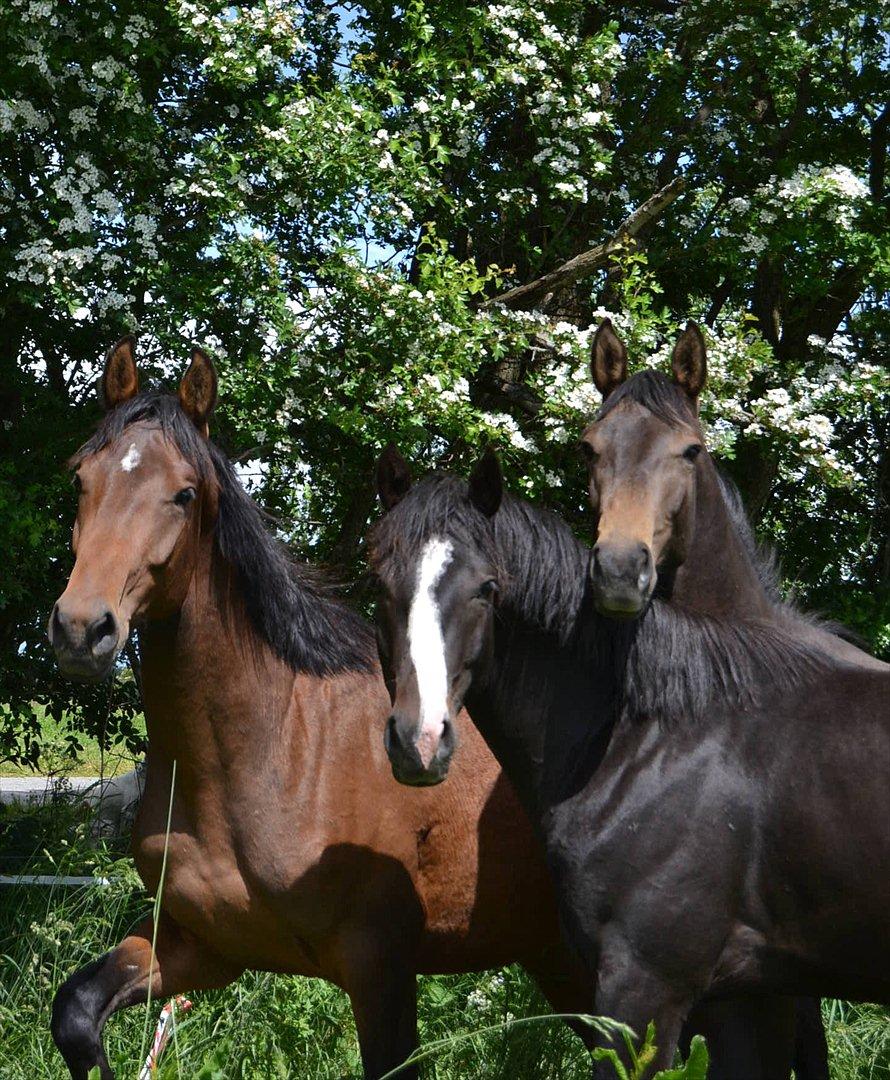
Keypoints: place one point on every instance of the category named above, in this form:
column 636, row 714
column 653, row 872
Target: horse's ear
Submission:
column 608, row 359
column 487, row 483
column 393, row 477
column 197, row 391
column 120, row 380
column 688, row 362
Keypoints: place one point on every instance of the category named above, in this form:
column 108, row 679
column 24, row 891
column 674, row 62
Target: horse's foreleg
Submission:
column 811, row 1045
column 633, row 994
column 749, row 1038
column 562, row 981
column 120, row 978
column 382, row 988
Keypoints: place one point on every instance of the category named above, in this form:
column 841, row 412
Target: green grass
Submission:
column 267, row 1026
column 859, row 1040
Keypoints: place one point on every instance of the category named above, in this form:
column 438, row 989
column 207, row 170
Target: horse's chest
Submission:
column 204, row 890
column 193, row 883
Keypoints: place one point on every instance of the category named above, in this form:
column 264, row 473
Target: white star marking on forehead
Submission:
column 131, row 459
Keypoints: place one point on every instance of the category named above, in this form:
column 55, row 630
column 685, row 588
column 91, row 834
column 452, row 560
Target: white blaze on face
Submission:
column 427, row 647
column 131, row 459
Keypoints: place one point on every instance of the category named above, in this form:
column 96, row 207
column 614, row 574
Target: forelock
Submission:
column 657, row 393
column 154, row 408
column 436, row 506
column 540, row 563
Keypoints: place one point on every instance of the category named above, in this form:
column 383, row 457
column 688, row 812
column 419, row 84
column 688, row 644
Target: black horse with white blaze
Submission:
column 710, row 774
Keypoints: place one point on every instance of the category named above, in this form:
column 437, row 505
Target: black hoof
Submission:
column 74, row 1026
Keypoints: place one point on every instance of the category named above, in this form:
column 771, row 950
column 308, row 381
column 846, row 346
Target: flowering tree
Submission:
column 404, row 222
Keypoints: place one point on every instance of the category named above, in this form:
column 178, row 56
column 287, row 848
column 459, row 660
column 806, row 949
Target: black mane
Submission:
column 289, row 604
column 542, row 565
column 668, row 665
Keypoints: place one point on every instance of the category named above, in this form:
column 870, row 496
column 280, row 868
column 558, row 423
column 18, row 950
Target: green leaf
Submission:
column 602, row 1053
column 696, row 1067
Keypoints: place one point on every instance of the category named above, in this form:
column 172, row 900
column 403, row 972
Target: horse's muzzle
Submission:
column 404, row 756
column 622, row 577
column 85, row 645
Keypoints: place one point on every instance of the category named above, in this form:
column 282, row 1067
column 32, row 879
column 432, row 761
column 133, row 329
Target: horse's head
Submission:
column 433, row 554
column 146, row 493
column 642, row 452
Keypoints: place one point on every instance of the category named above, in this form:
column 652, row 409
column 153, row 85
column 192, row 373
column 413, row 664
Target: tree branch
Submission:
column 525, row 296
column 823, row 315
column 719, row 299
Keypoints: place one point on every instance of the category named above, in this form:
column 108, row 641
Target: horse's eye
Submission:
column 590, row 455
column 77, row 482
column 488, row 590
column 184, row 497
column 692, row 452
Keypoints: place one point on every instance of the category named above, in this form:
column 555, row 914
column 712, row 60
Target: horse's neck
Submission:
column 214, row 699
column 547, row 709
column 717, row 577
column 544, row 706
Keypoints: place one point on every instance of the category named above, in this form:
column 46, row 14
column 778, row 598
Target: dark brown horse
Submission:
column 753, row 720
column 291, row 848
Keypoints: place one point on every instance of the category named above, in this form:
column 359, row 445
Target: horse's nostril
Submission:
column 447, row 740
column 644, row 566
column 101, row 636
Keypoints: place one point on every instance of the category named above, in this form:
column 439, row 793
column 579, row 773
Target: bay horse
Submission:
column 486, row 599
column 265, row 692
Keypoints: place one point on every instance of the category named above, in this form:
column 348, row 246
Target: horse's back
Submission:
column 839, row 649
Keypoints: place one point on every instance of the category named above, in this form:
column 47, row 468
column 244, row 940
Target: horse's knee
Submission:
column 75, row 1023
column 636, row 994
